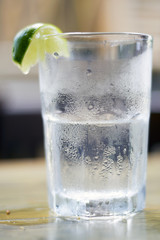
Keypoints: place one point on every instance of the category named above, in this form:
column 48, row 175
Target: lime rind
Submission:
column 22, row 41
column 32, row 43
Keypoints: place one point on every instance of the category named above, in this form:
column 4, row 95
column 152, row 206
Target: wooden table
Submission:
column 24, row 212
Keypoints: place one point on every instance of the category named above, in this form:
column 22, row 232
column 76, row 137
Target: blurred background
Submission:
column 21, row 132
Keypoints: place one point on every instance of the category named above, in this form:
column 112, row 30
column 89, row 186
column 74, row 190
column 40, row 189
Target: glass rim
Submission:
column 134, row 36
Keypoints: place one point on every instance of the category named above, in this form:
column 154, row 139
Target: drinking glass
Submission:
column 95, row 108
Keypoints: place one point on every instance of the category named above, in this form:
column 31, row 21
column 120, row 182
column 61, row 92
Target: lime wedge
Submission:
column 29, row 45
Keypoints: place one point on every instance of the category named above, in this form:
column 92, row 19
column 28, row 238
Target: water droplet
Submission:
column 89, row 72
column 90, row 107
column 124, row 220
column 109, row 151
column 119, row 164
column 56, row 54
column 101, row 109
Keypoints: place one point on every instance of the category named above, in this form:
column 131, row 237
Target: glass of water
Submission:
column 95, row 109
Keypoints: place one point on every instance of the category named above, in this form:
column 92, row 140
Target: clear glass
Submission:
column 95, row 108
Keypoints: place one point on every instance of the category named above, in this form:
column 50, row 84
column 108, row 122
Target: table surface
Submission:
column 24, row 212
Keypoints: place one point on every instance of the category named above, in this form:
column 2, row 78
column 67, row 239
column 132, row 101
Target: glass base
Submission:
column 81, row 207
